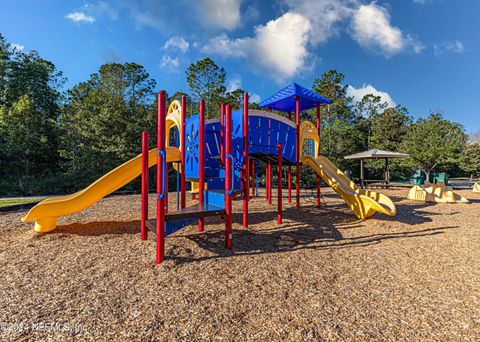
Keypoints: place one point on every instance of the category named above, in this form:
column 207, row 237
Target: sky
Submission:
column 421, row 54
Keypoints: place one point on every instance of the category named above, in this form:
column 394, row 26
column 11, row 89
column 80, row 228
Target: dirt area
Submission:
column 321, row 275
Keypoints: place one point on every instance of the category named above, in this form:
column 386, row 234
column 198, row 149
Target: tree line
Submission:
column 58, row 141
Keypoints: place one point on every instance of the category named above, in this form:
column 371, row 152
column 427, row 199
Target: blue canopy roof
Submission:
column 284, row 100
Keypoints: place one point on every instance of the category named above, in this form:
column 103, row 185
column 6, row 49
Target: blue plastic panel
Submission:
column 173, row 226
column 265, row 133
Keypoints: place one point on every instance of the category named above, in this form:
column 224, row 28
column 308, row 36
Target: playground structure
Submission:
column 218, row 157
column 476, row 187
column 437, row 193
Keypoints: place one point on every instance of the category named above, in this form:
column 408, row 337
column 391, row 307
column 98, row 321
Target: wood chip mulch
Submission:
column 321, row 275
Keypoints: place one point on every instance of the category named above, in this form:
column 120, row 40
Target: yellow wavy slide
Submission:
column 46, row 212
column 363, row 203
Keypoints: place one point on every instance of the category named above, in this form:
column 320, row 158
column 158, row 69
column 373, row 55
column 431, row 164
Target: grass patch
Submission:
column 6, row 202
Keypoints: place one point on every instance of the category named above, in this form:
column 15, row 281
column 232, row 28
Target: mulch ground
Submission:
column 321, row 275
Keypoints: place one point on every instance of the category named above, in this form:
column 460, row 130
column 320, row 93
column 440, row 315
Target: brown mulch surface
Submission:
column 321, row 275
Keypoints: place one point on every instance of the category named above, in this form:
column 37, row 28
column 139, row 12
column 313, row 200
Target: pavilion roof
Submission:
column 376, row 154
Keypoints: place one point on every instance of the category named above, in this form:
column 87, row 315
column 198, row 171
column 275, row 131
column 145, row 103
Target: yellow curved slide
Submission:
column 46, row 212
column 363, row 203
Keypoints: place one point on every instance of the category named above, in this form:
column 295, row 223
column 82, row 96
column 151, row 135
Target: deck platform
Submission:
column 195, row 211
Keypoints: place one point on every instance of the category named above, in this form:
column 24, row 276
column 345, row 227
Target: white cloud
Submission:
column 222, row 14
column 101, row 8
column 254, row 98
column 423, row 2
column 177, row 43
column 79, row 17
column 169, row 63
column 17, row 47
column 234, row 84
column 226, row 47
column 448, row 47
column 279, row 47
column 326, row 16
column 359, row 93
column 417, row 46
column 372, row 29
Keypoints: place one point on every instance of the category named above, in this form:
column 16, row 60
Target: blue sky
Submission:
column 422, row 54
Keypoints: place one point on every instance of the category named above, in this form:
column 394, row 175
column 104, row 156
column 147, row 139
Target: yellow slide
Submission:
column 476, row 187
column 363, row 203
column 46, row 212
column 436, row 193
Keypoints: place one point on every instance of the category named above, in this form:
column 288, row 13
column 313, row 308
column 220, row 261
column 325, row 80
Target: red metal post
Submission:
column 183, row 182
column 253, row 178
column 266, row 181
column 228, row 177
column 144, row 231
column 268, row 169
column 201, row 161
column 269, row 183
column 279, row 214
column 297, row 149
column 289, row 172
column 318, row 154
column 246, row 162
column 162, row 101
column 222, row 133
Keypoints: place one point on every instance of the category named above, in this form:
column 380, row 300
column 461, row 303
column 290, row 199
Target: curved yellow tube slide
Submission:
column 46, row 212
column 363, row 203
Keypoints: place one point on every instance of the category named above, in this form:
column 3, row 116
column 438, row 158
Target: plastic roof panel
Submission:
column 284, row 100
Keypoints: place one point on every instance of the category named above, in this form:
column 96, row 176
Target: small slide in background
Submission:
column 363, row 203
column 435, row 193
column 46, row 212
column 476, row 187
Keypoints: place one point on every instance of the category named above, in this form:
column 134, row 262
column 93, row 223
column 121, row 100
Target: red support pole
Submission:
column 289, row 172
column 246, row 162
column 161, row 173
column 201, row 161
column 269, row 172
column 266, row 181
column 183, row 183
column 253, row 178
column 228, row 177
column 279, row 214
column 144, row 231
column 297, row 148
column 222, row 133
column 318, row 154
